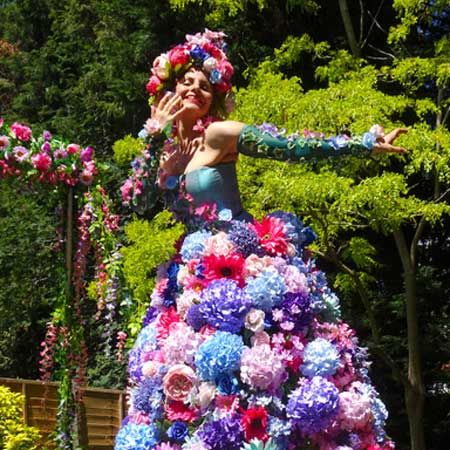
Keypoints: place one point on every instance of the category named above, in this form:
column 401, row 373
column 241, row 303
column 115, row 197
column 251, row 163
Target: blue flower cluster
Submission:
column 137, row 437
column 212, row 433
column 320, row 358
column 193, row 245
column 195, row 317
column 224, row 305
column 218, row 355
column 178, row 431
column 313, row 405
column 148, row 398
column 146, row 341
column 266, row 290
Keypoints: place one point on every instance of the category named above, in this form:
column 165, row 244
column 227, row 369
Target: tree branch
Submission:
column 349, row 30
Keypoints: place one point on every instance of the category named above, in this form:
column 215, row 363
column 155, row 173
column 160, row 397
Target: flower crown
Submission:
column 205, row 51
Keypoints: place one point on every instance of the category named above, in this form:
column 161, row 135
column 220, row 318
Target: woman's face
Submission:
column 196, row 92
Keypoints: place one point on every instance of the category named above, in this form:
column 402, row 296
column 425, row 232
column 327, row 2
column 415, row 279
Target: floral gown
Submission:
column 243, row 346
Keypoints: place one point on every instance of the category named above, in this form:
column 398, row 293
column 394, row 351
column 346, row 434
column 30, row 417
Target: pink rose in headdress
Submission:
column 161, row 67
column 226, row 69
column 213, row 50
column 178, row 55
column 21, row 132
column 153, row 85
column 41, row 162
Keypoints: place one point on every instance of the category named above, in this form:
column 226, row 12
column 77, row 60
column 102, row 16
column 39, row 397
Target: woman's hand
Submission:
column 167, row 110
column 175, row 163
column 384, row 142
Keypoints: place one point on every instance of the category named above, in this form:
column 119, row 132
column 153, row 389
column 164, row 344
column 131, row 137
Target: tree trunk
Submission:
column 414, row 388
column 349, row 30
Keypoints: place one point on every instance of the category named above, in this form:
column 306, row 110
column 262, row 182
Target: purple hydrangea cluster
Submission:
column 244, row 236
column 294, row 312
column 148, row 398
column 218, row 355
column 223, row 434
column 314, row 405
column 224, row 305
column 320, row 358
column 145, row 342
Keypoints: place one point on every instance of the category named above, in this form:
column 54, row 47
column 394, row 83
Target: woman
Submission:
column 242, row 346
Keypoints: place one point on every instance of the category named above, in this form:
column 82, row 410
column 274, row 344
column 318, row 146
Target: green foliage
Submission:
column 126, row 149
column 30, row 278
column 14, row 435
column 149, row 244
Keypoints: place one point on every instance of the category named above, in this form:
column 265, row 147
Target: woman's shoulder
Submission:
column 223, row 134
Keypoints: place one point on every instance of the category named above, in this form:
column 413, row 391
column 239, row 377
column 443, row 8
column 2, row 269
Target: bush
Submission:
column 14, row 434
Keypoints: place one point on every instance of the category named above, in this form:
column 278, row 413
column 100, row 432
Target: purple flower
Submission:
column 150, row 316
column 223, row 434
column 195, row 318
column 148, row 398
column 244, row 236
column 46, row 147
column 294, row 312
column 314, row 405
column 86, row 154
column 47, row 135
column 21, row 153
column 224, row 305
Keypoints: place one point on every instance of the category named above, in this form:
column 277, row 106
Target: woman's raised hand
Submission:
column 167, row 109
column 384, row 142
column 175, row 163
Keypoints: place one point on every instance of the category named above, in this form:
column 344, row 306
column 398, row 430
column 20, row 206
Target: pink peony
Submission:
column 181, row 344
column 179, row 381
column 126, row 191
column 21, row 153
column 86, row 177
column 21, row 132
column 218, row 244
column 41, row 162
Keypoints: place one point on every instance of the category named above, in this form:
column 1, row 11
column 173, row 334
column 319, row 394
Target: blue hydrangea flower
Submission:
column 224, row 305
column 279, row 429
column 215, row 76
column 380, row 415
column 314, row 405
column 266, row 290
column 320, row 358
column 137, row 437
column 198, row 54
column 178, row 431
column 193, row 245
column 147, row 397
column 223, row 434
column 244, row 236
column 218, row 355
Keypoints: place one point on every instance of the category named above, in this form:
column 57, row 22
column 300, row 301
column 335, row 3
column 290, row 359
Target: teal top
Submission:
column 217, row 184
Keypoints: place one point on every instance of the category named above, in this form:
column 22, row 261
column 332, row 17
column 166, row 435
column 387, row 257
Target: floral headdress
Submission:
column 205, row 51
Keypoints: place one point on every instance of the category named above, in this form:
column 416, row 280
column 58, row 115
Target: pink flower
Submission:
column 59, row 153
column 179, row 381
column 218, row 244
column 354, row 410
column 41, row 162
column 21, row 153
column 178, row 55
column 161, row 67
column 272, row 236
column 126, row 191
column 223, row 86
column 21, row 132
column 226, row 69
column 254, row 320
column 181, row 344
column 154, row 85
column 1, row 122
column 86, row 154
column 164, row 322
column 73, row 148
column 179, row 411
column 261, row 368
column 4, row 142
column 205, row 395
column 86, row 177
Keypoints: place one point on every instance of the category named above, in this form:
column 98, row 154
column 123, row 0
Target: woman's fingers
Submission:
column 394, row 134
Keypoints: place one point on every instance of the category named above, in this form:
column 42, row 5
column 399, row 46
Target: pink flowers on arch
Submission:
column 45, row 158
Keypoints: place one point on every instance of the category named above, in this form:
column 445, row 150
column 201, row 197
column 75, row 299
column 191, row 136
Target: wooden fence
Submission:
column 102, row 410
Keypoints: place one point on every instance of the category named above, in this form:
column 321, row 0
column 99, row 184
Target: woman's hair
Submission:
column 203, row 51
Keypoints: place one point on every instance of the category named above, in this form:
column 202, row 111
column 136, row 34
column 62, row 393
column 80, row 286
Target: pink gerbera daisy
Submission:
column 231, row 266
column 272, row 236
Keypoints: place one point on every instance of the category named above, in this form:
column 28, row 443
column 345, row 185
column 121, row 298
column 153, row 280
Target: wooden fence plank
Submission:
column 103, row 410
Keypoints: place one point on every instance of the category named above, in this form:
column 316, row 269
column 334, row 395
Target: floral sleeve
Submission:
column 266, row 141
